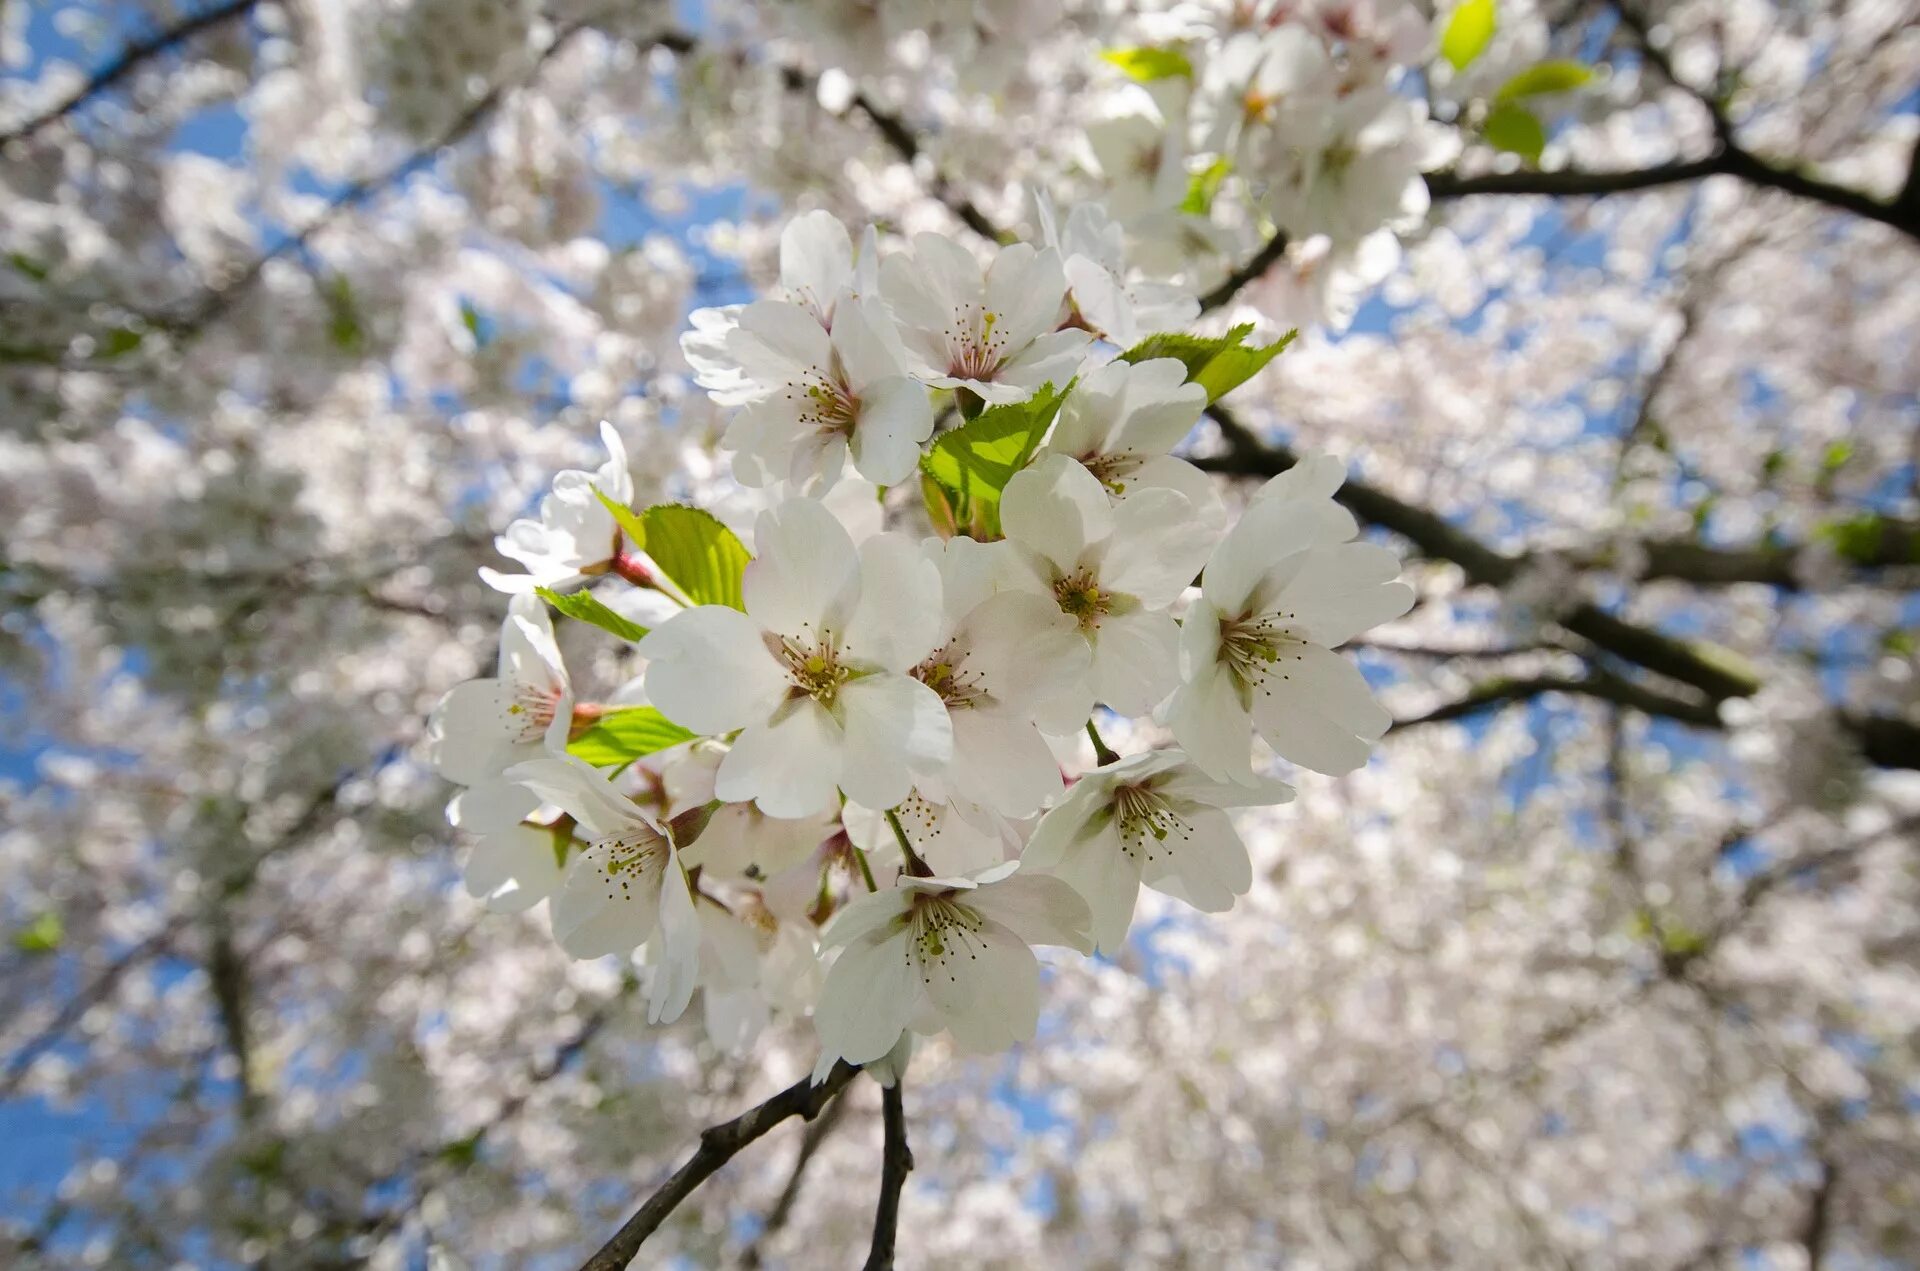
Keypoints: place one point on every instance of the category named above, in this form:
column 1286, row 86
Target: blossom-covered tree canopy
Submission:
column 1085, row 633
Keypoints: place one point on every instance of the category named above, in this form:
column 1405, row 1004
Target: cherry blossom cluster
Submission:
column 839, row 785
column 1294, row 119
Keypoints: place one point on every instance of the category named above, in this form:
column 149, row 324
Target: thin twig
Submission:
column 131, row 59
column 895, row 1161
column 718, row 1145
column 1256, row 266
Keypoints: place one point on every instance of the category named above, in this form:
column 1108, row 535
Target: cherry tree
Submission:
column 1192, row 633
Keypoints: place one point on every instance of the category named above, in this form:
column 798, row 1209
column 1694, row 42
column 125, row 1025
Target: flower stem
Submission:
column 1102, row 752
column 915, row 866
column 866, row 870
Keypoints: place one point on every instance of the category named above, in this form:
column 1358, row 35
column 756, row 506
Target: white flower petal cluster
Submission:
column 882, row 808
column 574, row 537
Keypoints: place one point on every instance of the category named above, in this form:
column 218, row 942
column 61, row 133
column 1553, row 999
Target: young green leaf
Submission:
column 1218, row 364
column 583, row 606
column 1144, row 65
column 43, row 935
column 1203, row 185
column 695, row 550
column 975, row 461
column 1468, row 32
column 1516, row 129
column 1554, row 76
column 626, row 734
column 626, row 518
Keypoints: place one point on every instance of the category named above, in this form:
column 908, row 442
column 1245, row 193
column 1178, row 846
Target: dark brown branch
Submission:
column 220, row 299
column 1896, row 544
column 1255, row 267
column 895, row 1162
column 718, row 1145
column 130, row 59
column 1726, row 161
column 892, row 129
column 1595, row 684
column 1437, row 538
column 1813, row 1235
column 102, row 986
column 783, row 1207
column 1886, row 741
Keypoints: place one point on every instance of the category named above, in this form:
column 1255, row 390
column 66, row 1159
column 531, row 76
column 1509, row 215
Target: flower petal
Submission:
column 788, row 766
column 869, row 995
column 708, row 670
column 894, row 727
column 805, row 574
column 1056, row 508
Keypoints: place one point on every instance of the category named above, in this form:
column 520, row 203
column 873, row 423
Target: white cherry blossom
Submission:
column 827, row 393
column 574, row 537
column 988, row 331
column 1000, row 657
column 814, row 672
column 483, row 727
column 937, row 954
column 1121, row 421
column 514, row 869
column 626, row 888
column 1113, row 569
column 1153, row 818
column 1103, row 295
column 1283, row 589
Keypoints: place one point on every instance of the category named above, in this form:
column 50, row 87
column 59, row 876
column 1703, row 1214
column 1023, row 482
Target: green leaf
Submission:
column 470, row 319
column 1218, row 364
column 975, row 461
column 343, row 317
column 43, row 935
column 624, row 735
column 583, row 606
column 1468, row 32
column 625, row 517
column 1554, row 76
column 696, row 551
column 1202, row 186
column 118, row 342
column 1144, row 65
column 25, row 264
column 461, row 1152
column 1836, row 456
column 1517, row 129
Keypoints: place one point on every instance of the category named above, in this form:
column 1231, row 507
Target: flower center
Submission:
column 531, row 711
column 630, row 856
column 1112, row 470
column 813, row 666
column 1079, row 594
column 939, row 932
column 1145, row 820
column 945, row 672
column 1255, row 647
column 975, row 352
column 831, row 409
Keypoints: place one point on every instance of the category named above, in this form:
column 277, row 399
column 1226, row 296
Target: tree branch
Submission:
column 783, row 1207
column 718, row 1145
column 895, row 1161
column 130, row 59
column 1256, row 266
column 1437, row 538
column 1596, row 684
column 1726, row 161
column 1887, row 741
